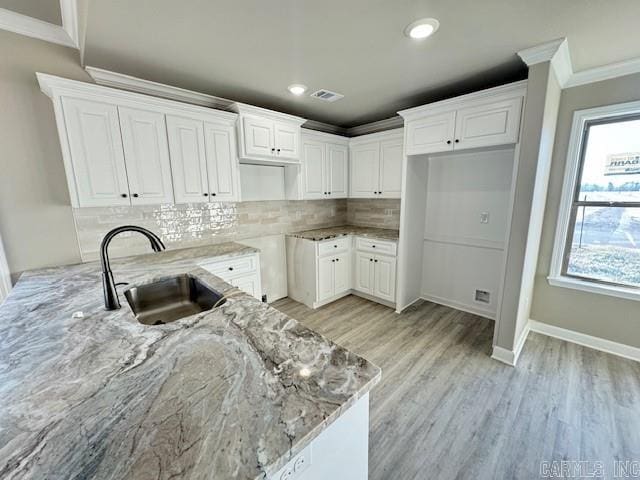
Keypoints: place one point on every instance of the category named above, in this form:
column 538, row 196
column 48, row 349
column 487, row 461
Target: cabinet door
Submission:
column 342, row 273
column 248, row 284
column 431, row 134
column 391, row 168
column 365, row 170
column 93, row 130
column 385, row 278
column 222, row 162
column 337, row 170
column 325, row 278
column 496, row 123
column 188, row 159
column 313, row 170
column 146, row 153
column 287, row 140
column 363, row 280
column 258, row 137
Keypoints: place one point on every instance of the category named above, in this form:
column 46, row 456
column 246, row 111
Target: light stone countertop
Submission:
column 216, row 395
column 333, row 232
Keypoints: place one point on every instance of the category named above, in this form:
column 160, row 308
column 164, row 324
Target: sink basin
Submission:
column 171, row 299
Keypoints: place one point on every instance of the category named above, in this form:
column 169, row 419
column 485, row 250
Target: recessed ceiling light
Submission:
column 422, row 28
column 297, row 89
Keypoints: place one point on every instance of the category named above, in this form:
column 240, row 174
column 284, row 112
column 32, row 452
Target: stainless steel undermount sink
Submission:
column 171, row 299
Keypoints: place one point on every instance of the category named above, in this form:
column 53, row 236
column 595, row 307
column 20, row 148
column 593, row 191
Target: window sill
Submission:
column 592, row 287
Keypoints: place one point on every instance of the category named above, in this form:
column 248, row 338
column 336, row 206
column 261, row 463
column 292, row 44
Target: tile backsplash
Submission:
column 379, row 213
column 190, row 225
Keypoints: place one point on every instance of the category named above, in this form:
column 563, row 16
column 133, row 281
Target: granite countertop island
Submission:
column 230, row 393
column 341, row 231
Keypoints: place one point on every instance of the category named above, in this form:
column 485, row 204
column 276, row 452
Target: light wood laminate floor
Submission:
column 444, row 409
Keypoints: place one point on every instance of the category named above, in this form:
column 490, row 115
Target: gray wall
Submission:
column 598, row 315
column 36, row 222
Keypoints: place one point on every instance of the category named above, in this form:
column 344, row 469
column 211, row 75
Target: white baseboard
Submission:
column 460, row 306
column 607, row 346
column 510, row 357
column 503, row 355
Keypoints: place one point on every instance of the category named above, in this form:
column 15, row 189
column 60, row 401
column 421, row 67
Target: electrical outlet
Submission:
column 484, row 217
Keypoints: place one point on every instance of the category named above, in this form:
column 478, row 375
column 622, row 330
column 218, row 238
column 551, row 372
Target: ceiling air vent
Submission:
column 327, row 95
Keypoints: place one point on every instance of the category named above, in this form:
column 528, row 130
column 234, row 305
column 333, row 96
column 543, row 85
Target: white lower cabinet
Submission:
column 376, row 275
column 334, row 276
column 322, row 272
column 242, row 272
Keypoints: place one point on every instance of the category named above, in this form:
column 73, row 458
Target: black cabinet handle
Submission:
column 278, row 150
column 337, row 259
column 335, row 246
column 273, row 150
column 231, row 269
column 371, row 259
column 123, row 195
column 332, row 261
column 448, row 142
column 376, row 261
column 205, row 194
column 457, row 140
column 213, row 194
column 136, row 195
column 373, row 246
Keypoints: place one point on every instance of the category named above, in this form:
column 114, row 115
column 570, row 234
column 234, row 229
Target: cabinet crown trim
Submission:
column 55, row 87
column 325, row 137
column 511, row 90
column 244, row 109
column 397, row 133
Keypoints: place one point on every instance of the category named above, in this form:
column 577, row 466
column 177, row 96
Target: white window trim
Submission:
column 555, row 278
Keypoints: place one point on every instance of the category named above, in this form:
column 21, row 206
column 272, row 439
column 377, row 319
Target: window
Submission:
column 598, row 235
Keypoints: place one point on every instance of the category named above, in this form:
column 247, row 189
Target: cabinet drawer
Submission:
column 334, row 245
column 233, row 267
column 375, row 246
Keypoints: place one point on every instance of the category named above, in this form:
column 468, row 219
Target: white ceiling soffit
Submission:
column 66, row 35
column 557, row 52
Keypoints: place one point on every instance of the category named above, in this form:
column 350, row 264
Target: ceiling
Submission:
column 250, row 50
column 45, row 10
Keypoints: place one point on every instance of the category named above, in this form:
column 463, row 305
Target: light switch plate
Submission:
column 484, row 217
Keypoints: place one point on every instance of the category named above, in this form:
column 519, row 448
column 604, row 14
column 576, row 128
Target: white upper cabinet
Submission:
column 482, row 119
column 337, row 170
column 376, row 165
column 125, row 148
column 96, row 155
column 188, row 159
column 324, row 171
column 391, row 168
column 258, row 136
column 431, row 134
column 313, row 170
column 222, row 162
column 146, row 153
column 268, row 137
column 286, row 140
column 485, row 125
column 365, row 170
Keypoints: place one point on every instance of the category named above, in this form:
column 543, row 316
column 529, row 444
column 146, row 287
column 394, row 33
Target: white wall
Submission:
column 462, row 254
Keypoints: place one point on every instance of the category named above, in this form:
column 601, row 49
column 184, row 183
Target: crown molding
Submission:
column 510, row 90
column 605, row 72
column 246, row 109
column 556, row 52
column 374, row 127
column 108, row 78
column 322, row 127
column 69, row 13
column 324, row 136
column 541, row 53
column 55, row 87
column 35, row 28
